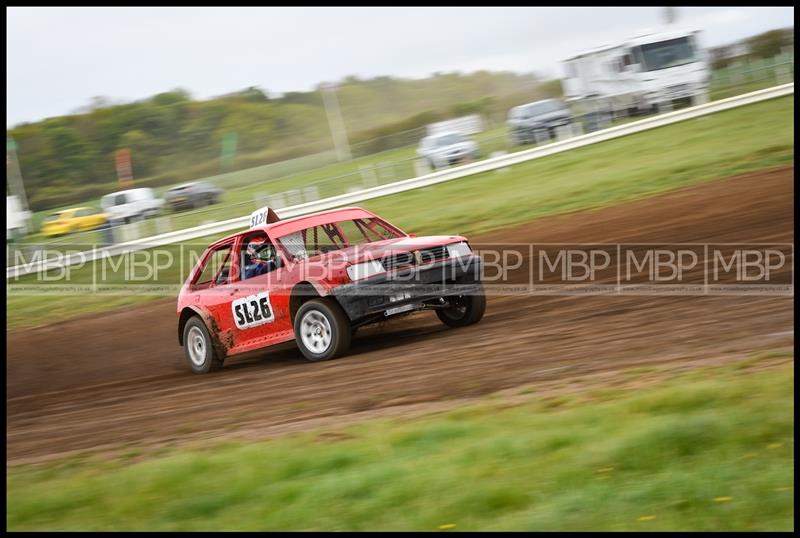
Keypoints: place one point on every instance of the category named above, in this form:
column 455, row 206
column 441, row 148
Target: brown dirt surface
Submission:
column 117, row 379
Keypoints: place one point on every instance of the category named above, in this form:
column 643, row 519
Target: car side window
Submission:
column 321, row 239
column 261, row 259
column 216, row 270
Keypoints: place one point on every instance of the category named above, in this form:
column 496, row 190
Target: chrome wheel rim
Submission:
column 196, row 344
column 315, row 332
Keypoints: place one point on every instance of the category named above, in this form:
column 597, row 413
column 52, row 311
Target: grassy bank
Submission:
column 645, row 164
column 707, row 450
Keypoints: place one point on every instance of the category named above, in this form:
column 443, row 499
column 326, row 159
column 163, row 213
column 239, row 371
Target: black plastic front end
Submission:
column 411, row 288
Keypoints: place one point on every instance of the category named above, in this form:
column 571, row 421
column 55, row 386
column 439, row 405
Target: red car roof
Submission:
column 283, row 227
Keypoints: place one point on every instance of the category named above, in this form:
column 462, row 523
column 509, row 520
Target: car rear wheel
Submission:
column 463, row 310
column 197, row 347
column 322, row 330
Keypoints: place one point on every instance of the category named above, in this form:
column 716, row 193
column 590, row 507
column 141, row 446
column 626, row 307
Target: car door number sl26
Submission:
column 252, row 311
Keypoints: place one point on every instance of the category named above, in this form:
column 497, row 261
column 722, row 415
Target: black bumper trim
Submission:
column 457, row 276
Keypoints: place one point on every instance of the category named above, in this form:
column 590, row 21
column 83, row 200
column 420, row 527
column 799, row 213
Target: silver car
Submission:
column 445, row 149
column 192, row 195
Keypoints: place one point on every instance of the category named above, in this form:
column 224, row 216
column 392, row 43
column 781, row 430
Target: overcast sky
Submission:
column 59, row 58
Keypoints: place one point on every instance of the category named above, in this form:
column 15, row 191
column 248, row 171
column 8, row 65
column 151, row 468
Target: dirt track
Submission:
column 116, row 379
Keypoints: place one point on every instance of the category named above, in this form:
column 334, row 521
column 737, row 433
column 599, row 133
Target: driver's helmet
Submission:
column 260, row 250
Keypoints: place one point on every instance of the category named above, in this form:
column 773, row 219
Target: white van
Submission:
column 131, row 204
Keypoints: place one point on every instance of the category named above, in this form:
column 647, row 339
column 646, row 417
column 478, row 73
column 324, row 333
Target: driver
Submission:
column 260, row 258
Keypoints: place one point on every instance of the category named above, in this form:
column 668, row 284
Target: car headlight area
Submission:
column 457, row 250
column 363, row 270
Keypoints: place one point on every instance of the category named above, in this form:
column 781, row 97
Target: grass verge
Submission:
column 707, row 451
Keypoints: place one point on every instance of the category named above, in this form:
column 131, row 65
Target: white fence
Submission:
column 426, row 180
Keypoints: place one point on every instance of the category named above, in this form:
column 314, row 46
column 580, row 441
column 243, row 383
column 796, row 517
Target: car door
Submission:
column 83, row 219
column 210, row 291
column 255, row 311
column 123, row 206
column 98, row 218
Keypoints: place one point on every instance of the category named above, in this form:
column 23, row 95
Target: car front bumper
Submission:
column 449, row 159
column 546, row 126
column 408, row 289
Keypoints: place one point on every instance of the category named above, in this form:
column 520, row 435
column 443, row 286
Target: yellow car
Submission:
column 77, row 219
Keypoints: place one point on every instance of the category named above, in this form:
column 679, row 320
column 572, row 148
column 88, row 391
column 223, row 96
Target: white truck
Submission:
column 17, row 219
column 645, row 73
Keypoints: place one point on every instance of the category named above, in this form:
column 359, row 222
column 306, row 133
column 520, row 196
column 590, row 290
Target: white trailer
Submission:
column 640, row 74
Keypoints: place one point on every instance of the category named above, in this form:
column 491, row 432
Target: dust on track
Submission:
column 117, row 380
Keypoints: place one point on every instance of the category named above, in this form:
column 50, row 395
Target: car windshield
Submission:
column 52, row 218
column 449, row 139
column 545, row 107
column 316, row 240
column 668, row 53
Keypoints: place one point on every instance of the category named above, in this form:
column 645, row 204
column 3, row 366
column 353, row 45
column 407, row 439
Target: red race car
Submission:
column 316, row 279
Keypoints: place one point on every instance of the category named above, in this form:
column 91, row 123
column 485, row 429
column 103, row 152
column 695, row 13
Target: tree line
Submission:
column 173, row 137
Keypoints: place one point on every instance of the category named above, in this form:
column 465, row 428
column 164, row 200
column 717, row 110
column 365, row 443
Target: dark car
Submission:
column 192, row 195
column 540, row 118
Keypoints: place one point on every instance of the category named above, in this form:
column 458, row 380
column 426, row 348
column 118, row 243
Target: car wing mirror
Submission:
column 412, row 235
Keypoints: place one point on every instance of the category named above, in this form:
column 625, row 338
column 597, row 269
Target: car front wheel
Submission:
column 463, row 310
column 322, row 330
column 199, row 351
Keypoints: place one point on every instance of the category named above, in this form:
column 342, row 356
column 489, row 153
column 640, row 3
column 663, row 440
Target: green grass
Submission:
column 710, row 452
column 745, row 77
column 645, row 164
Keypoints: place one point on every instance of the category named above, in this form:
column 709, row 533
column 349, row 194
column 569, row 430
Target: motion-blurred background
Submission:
column 276, row 132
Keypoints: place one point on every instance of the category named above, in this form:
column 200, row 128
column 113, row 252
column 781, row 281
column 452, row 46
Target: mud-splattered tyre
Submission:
column 465, row 310
column 197, row 347
column 322, row 330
